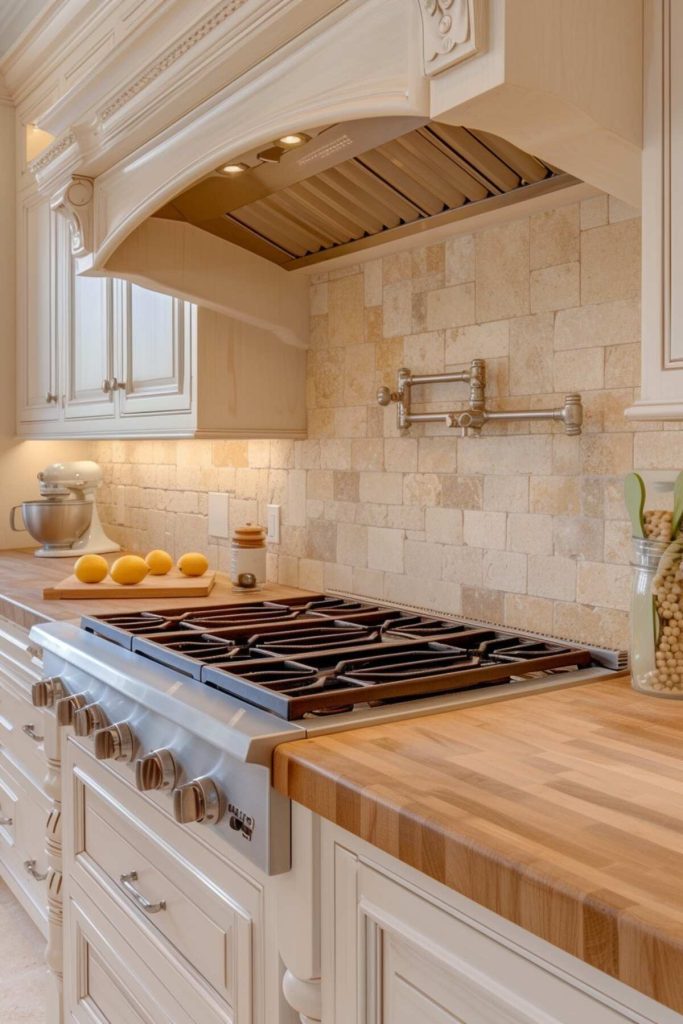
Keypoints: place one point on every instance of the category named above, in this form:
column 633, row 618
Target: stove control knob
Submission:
column 87, row 719
column 157, row 770
column 114, row 742
column 66, row 706
column 199, row 800
column 45, row 692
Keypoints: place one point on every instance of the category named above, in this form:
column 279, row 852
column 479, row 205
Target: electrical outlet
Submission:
column 219, row 514
column 273, row 524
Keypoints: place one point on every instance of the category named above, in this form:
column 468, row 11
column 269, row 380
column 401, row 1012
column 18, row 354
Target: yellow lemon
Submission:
column 193, row 564
column 129, row 569
column 91, row 568
column 159, row 562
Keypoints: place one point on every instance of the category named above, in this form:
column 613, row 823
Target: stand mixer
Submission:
column 65, row 521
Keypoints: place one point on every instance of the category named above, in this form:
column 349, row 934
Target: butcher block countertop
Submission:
column 23, row 576
column 561, row 811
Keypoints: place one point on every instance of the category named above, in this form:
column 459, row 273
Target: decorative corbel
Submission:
column 452, row 30
column 75, row 202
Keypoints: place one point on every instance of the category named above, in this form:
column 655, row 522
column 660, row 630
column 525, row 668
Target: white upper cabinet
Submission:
column 101, row 357
column 38, row 392
column 662, row 319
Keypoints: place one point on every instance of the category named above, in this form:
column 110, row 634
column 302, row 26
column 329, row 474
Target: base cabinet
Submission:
column 398, row 949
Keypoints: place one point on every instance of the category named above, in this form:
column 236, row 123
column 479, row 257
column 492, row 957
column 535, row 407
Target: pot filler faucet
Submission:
column 473, row 418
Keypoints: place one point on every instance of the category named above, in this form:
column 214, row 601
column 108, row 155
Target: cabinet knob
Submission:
column 157, row 770
column 50, row 397
column 199, row 800
column 87, row 719
column 66, row 706
column 45, row 692
column 111, row 384
column 115, row 742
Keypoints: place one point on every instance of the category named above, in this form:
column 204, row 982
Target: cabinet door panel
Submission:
column 40, row 232
column 89, row 347
column 156, row 340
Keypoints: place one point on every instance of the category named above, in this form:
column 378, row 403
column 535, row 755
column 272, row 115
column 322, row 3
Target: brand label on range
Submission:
column 241, row 822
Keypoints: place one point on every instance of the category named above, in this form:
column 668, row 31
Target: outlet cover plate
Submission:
column 273, row 536
column 219, row 514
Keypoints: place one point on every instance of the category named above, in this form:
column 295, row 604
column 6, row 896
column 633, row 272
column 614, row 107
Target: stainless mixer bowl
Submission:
column 54, row 524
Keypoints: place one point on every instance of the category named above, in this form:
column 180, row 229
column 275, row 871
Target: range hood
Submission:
column 310, row 197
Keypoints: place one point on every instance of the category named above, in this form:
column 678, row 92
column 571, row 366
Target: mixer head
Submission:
column 59, row 479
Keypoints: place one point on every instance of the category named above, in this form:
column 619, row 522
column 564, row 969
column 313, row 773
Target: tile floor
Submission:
column 23, row 976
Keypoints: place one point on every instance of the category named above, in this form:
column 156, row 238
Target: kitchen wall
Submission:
column 19, row 460
column 523, row 525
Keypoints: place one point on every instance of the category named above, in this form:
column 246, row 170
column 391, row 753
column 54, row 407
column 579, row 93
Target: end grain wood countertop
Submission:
column 562, row 812
column 23, row 577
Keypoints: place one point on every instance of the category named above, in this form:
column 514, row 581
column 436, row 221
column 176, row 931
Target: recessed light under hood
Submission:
column 359, row 184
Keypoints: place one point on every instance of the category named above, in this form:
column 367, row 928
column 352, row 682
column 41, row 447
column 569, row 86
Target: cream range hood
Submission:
column 343, row 188
column 412, row 114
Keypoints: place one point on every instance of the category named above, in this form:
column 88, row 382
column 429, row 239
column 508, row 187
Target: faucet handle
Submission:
column 385, row 396
column 572, row 414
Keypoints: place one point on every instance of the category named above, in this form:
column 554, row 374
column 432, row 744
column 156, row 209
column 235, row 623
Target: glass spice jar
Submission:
column 657, row 605
column 248, row 556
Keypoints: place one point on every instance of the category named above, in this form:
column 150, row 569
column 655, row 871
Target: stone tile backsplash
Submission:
column 523, row 525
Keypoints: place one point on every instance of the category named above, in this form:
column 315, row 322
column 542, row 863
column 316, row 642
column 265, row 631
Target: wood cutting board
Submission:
column 174, row 584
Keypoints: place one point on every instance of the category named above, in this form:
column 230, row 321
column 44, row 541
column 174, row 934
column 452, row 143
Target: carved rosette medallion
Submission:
column 452, row 31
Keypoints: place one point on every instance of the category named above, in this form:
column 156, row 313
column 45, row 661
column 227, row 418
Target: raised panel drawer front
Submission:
column 21, row 731
column 22, row 841
column 163, row 893
column 113, row 975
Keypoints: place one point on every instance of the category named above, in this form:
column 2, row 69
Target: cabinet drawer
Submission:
column 23, row 841
column 21, row 731
column 125, row 856
column 114, row 975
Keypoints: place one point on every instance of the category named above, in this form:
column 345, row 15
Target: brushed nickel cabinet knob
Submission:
column 157, row 770
column 45, row 692
column 199, row 800
column 115, row 742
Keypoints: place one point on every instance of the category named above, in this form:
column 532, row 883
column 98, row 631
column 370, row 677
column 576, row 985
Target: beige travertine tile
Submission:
column 230, row 453
column 359, row 374
column 578, row 537
column 367, row 582
column 326, row 376
column 372, row 282
column 610, row 262
column 603, row 584
column 622, row 366
column 459, row 259
column 421, row 489
column 554, row 495
column 382, row 488
column 603, row 626
column 462, row 492
column 397, row 266
column 506, row 493
column 658, row 450
column 531, row 354
column 444, row 525
column 594, row 212
column 346, row 300
column 552, row 576
column 311, row 574
column 352, row 544
column 424, row 353
column 606, row 453
column 483, row 603
column 346, row 486
column 400, row 454
column 335, row 454
column 374, row 324
column 484, row 529
column 521, row 609
column 398, row 310
column 505, row 570
column 423, row 560
column 502, row 271
column 478, row 341
column 318, row 298
column 367, row 453
column 608, row 323
column 463, row 565
column 579, row 371
column 496, row 455
column 555, row 287
column 385, row 549
column 450, row 307
column 554, row 236
column 619, row 210
column 618, row 542
column 437, row 455
column 532, row 534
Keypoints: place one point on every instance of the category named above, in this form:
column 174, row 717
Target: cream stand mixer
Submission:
column 65, row 520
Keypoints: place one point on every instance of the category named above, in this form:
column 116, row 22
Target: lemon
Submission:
column 159, row 562
column 129, row 569
column 91, row 568
column 193, row 564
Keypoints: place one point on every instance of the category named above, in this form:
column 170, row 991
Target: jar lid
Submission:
column 249, row 536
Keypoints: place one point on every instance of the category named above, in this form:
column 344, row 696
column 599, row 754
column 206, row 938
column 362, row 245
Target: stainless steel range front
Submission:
column 196, row 700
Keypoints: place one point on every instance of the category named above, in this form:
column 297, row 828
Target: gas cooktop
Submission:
column 325, row 655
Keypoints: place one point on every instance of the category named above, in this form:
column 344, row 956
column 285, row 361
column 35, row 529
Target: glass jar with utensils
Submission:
column 657, row 595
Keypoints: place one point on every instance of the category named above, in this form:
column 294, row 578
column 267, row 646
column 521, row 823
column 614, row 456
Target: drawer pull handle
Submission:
column 30, row 866
column 138, row 899
column 30, row 731
column 6, row 821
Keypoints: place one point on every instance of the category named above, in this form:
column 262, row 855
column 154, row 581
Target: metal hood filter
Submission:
column 359, row 184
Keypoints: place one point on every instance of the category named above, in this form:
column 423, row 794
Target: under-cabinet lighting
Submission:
column 234, row 168
column 295, row 139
